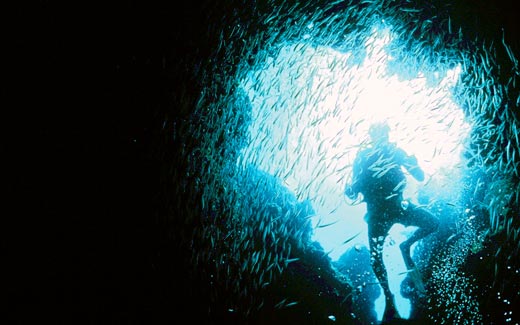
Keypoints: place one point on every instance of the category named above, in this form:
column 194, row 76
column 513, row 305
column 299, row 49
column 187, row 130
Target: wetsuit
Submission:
column 378, row 175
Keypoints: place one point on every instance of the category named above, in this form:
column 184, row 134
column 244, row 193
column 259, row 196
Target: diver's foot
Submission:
column 390, row 314
column 390, row 310
column 405, row 251
column 416, row 278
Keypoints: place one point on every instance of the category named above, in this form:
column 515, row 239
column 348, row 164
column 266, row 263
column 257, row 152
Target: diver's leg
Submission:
column 376, row 259
column 377, row 235
column 427, row 224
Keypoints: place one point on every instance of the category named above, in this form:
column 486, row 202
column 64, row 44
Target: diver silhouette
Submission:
column 379, row 177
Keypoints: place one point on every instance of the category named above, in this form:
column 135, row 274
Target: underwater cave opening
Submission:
column 312, row 106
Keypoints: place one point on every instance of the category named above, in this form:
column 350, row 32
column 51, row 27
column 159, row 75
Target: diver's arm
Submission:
column 410, row 163
column 352, row 189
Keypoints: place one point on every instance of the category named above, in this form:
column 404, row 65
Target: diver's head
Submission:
column 379, row 132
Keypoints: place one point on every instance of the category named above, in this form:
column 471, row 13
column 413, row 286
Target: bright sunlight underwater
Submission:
column 312, row 107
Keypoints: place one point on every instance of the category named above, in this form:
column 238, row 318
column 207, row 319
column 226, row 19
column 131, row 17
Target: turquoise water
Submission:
column 317, row 117
column 301, row 109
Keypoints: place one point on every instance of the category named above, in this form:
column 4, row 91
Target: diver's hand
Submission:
column 349, row 192
column 413, row 167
